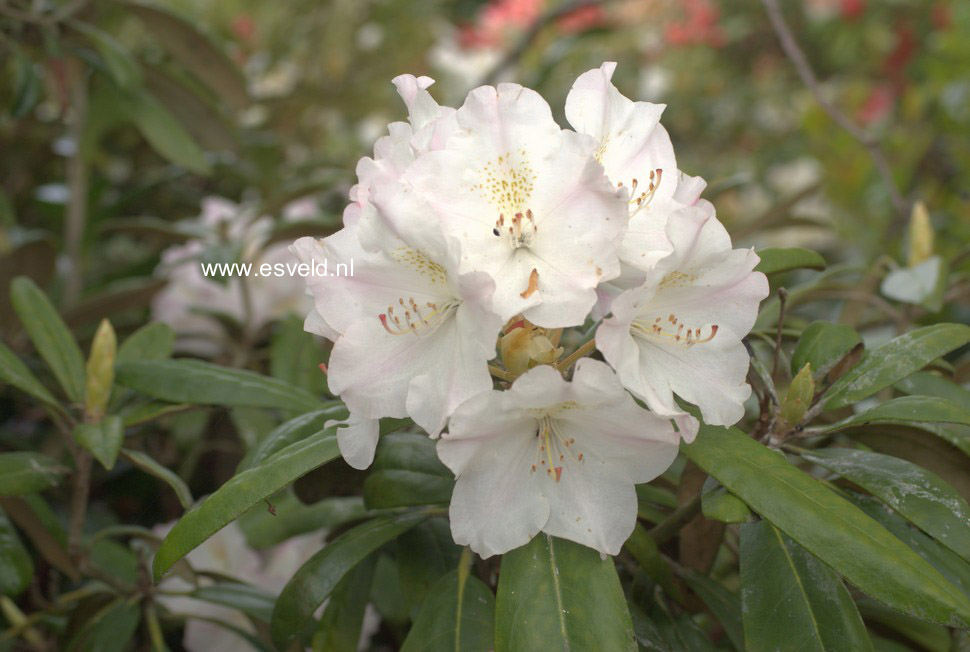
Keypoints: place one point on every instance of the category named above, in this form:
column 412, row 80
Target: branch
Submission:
column 797, row 57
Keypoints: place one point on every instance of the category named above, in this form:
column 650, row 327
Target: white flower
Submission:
column 412, row 336
column 553, row 456
column 681, row 331
column 528, row 202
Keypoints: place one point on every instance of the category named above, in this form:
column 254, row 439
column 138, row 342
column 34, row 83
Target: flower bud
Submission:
column 920, row 235
column 524, row 346
column 799, row 397
column 100, row 372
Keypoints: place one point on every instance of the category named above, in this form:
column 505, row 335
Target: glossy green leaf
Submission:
column 343, row 618
column 197, row 382
column 894, row 361
column 14, row 372
column 27, row 473
column 822, row 345
column 292, row 431
column 251, row 600
column 147, row 464
column 929, row 637
column 725, row 605
column 721, row 505
column 458, row 616
column 644, row 549
column 152, row 341
column 906, row 410
column 50, row 336
column 777, row 260
column 16, row 566
column 292, row 517
column 424, row 554
column 110, row 629
column 919, row 495
column 791, row 600
column 242, row 492
column 924, row 383
column 554, row 594
column 103, row 440
column 406, row 472
column 831, row 528
column 316, row 579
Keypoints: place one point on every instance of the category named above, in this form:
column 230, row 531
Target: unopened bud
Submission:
column 524, row 346
column 920, row 235
column 100, row 372
column 799, row 397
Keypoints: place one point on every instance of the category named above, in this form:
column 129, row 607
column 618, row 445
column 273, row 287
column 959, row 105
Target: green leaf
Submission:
column 906, row 410
column 424, row 554
column 822, row 345
column 342, row 620
column 242, row 492
column 554, row 594
column 292, row 431
column 919, row 495
column 151, row 467
column 644, row 549
column 894, row 361
column 725, row 606
column 28, row 473
column 164, row 133
column 924, row 383
column 108, row 630
column 14, row 372
column 16, row 566
column 102, row 439
column 197, row 382
column 120, row 63
column 50, row 336
column 316, row 579
column 831, row 528
column 818, row 613
column 26, row 84
column 195, row 51
column 406, row 472
column 251, row 600
column 777, row 260
column 458, row 616
column 152, row 341
column 721, row 505
column 929, row 637
column 264, row 529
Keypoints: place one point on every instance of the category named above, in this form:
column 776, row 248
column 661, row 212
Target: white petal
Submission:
column 357, row 439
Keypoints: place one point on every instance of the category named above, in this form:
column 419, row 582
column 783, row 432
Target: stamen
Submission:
column 417, row 320
column 646, row 330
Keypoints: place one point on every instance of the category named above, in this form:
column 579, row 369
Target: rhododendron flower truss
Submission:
column 412, row 335
column 528, row 202
column 680, row 333
column 553, row 456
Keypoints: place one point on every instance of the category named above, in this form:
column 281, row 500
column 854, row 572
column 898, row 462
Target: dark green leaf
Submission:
column 242, row 492
column 894, row 361
column 202, row 119
column 791, row 600
column 929, row 636
column 109, row 630
column 822, row 345
column 251, row 600
column 264, row 528
column 424, row 555
column 725, row 606
column 103, row 440
column 195, row 51
column 197, row 382
column 721, row 505
column 16, row 566
column 151, row 467
column 340, row 625
column 119, row 62
column 830, row 527
column 14, row 372
column 27, row 473
column 924, row 383
column 164, row 133
column 407, row 471
column 292, row 431
column 26, row 84
column 152, row 341
column 316, row 579
column 774, row 261
column 907, row 410
column 919, row 495
column 554, row 594
column 458, row 616
column 50, row 336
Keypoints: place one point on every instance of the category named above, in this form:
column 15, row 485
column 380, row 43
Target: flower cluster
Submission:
column 492, row 225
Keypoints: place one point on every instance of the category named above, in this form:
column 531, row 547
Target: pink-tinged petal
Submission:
column 422, row 108
column 316, row 324
column 689, row 188
column 357, row 439
column 496, row 505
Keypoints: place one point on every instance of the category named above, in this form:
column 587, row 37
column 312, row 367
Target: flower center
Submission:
column 410, row 317
column 672, row 330
column 520, row 231
column 554, row 447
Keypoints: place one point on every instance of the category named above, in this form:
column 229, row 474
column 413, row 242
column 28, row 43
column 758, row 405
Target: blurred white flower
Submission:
column 552, row 456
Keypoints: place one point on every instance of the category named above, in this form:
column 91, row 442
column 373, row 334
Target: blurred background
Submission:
column 137, row 140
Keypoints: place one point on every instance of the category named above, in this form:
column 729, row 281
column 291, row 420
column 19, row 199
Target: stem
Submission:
column 79, row 503
column 581, row 352
column 501, row 374
column 77, row 182
column 807, row 75
column 665, row 530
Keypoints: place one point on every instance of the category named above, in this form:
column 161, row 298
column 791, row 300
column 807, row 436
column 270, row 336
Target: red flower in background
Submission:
column 499, row 18
column 853, row 9
column 698, row 27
